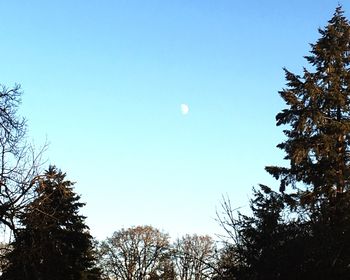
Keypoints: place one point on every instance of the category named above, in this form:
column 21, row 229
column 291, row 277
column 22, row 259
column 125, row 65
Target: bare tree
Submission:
column 137, row 253
column 195, row 257
column 19, row 162
column 228, row 220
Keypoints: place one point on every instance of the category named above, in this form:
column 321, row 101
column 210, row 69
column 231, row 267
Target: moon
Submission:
column 184, row 109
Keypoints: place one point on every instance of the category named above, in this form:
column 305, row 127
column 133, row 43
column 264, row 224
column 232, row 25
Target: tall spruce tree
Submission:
column 54, row 242
column 303, row 232
column 317, row 146
column 318, row 116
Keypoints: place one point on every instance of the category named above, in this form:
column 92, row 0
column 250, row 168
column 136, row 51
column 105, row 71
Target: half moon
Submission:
column 184, row 109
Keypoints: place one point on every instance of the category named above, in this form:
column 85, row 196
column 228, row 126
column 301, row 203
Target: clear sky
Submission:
column 104, row 81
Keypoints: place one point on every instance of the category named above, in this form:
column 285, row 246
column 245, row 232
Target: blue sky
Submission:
column 103, row 82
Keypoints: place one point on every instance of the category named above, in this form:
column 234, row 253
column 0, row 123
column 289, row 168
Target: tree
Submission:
column 317, row 146
column 136, row 253
column 266, row 245
column 304, row 231
column 318, row 116
column 54, row 242
column 18, row 161
column 5, row 248
column 194, row 257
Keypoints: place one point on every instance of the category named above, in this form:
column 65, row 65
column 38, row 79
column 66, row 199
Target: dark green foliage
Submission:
column 328, row 240
column 279, row 241
column 318, row 115
column 317, row 146
column 304, row 231
column 265, row 245
column 54, row 242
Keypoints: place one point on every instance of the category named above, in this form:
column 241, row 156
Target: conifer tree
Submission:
column 266, row 245
column 54, row 242
column 313, row 240
column 317, row 147
column 318, row 116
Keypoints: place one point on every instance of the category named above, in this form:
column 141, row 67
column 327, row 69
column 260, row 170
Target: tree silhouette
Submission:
column 266, row 245
column 18, row 161
column 317, row 146
column 194, row 257
column 136, row 253
column 303, row 232
column 318, row 116
column 54, row 242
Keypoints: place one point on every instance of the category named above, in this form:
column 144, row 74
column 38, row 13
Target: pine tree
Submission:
column 313, row 240
column 54, row 242
column 266, row 245
column 317, row 146
column 318, row 116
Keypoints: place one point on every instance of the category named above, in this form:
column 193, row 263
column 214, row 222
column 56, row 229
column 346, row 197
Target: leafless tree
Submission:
column 136, row 253
column 228, row 219
column 195, row 257
column 19, row 161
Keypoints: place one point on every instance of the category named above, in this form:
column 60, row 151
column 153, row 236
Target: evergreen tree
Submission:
column 317, row 146
column 267, row 245
column 54, row 242
column 313, row 240
column 318, row 116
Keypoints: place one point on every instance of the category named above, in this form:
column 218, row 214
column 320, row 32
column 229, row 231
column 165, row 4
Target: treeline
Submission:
column 144, row 252
column 301, row 231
